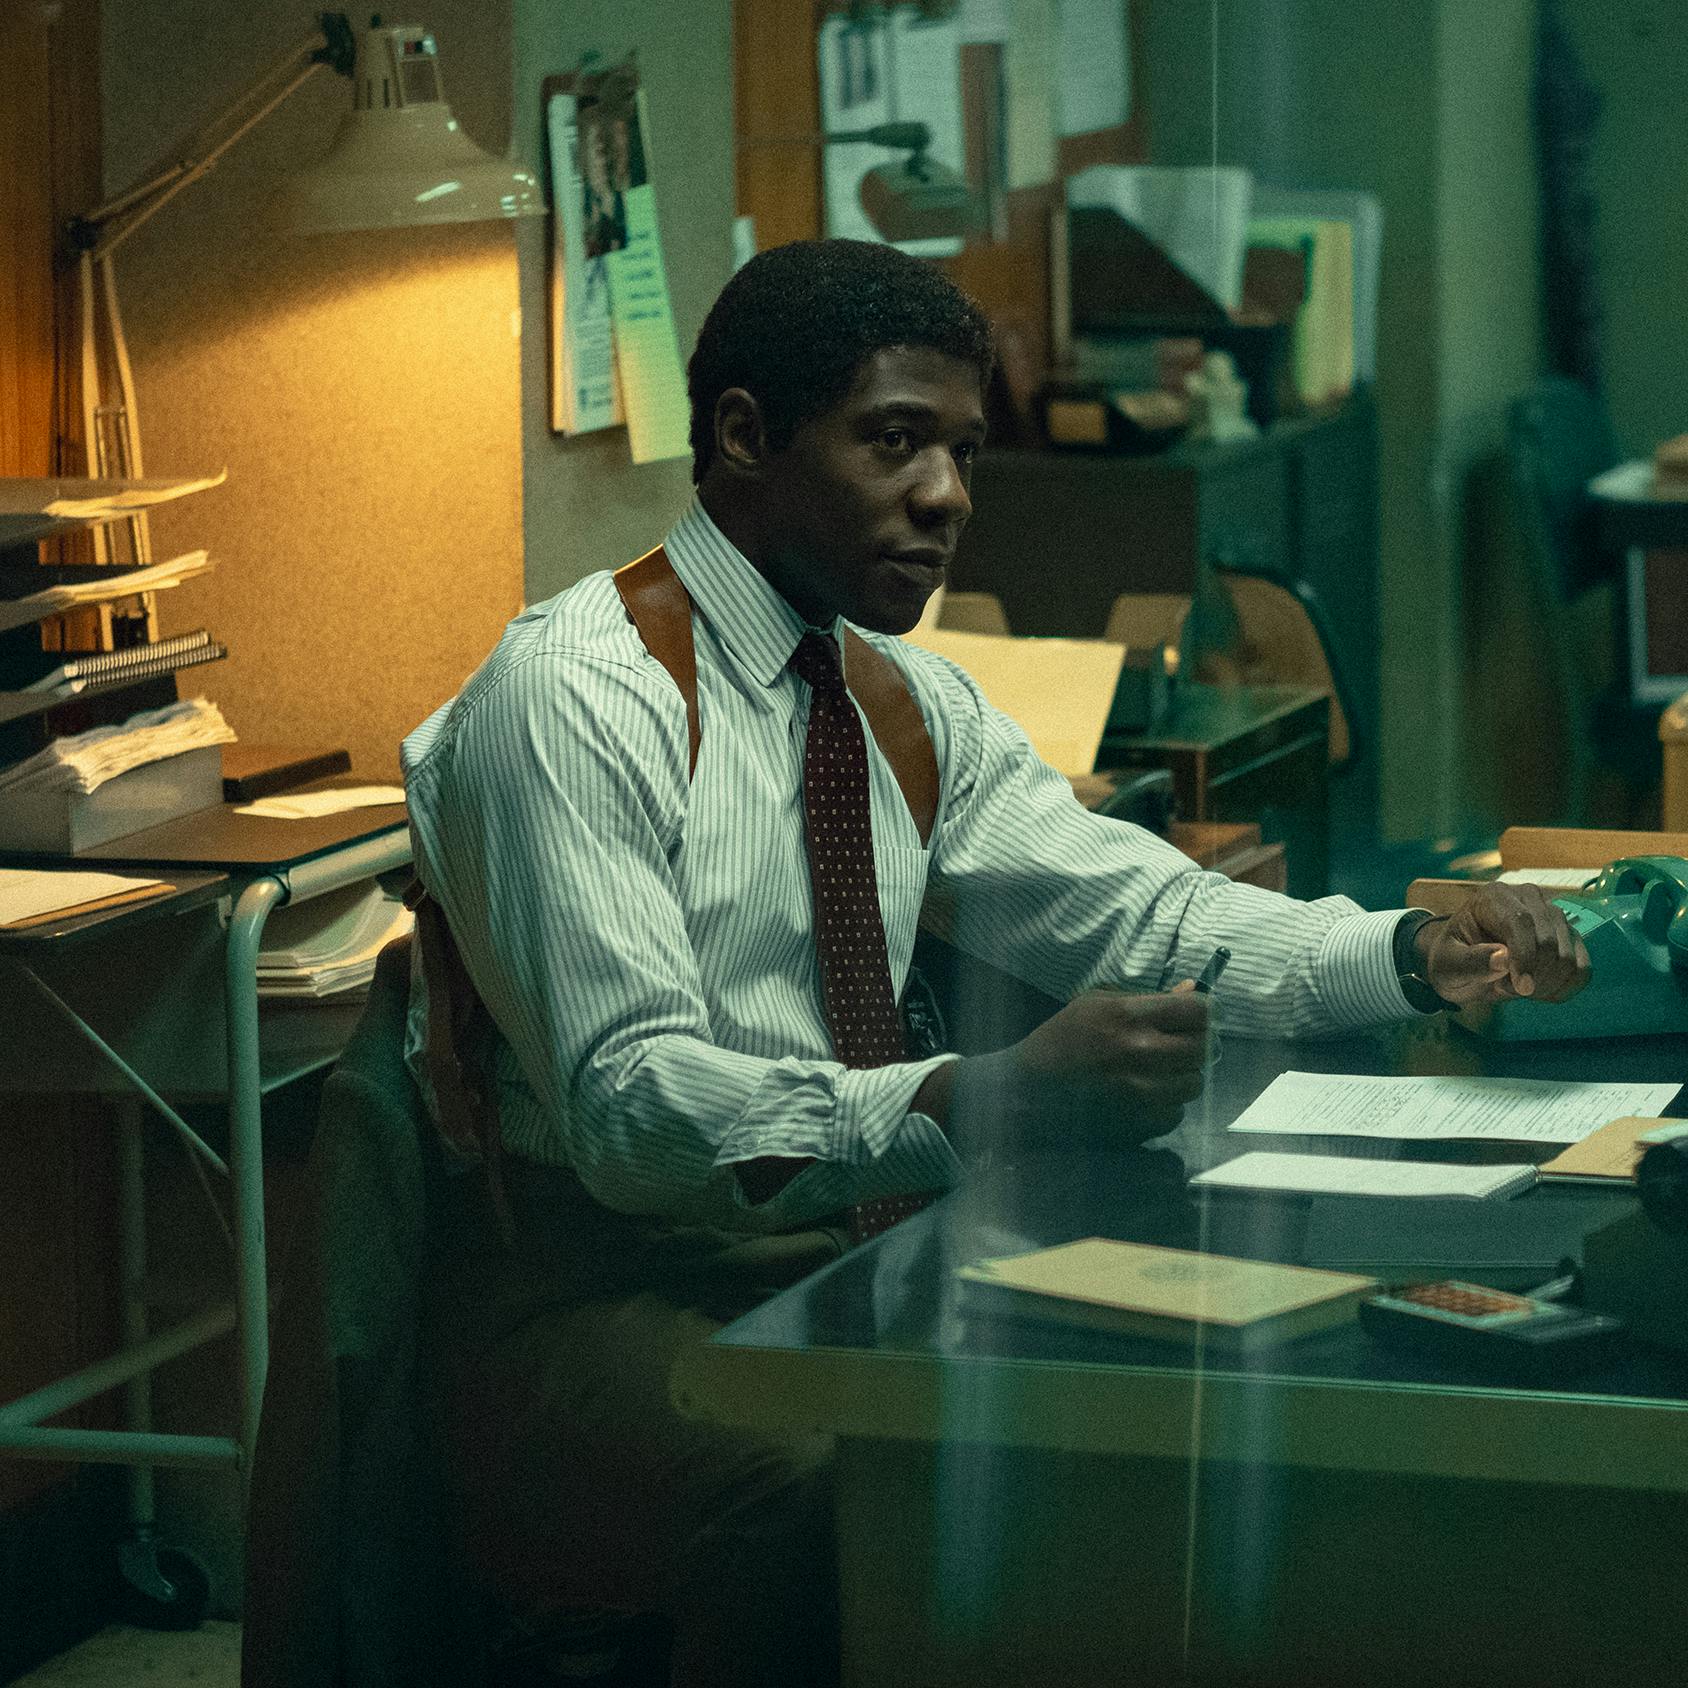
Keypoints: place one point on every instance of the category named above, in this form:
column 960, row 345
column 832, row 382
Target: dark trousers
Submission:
column 578, row 1482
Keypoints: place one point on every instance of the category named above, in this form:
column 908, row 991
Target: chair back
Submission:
column 1558, row 438
column 351, row 1580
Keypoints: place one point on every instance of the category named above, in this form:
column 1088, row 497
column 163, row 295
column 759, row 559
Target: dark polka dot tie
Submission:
column 861, row 1006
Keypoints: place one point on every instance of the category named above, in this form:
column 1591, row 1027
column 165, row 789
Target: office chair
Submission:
column 1558, row 438
column 353, row 1577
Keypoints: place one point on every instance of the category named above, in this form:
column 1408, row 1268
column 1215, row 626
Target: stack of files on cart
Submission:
column 327, row 946
column 83, row 762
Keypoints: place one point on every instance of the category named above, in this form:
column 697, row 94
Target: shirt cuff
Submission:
column 1356, row 971
column 873, row 1104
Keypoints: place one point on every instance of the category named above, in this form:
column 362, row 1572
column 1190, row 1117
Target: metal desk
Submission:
column 178, row 1004
column 1024, row 1504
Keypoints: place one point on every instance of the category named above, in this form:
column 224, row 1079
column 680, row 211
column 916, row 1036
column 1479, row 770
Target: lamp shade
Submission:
column 400, row 159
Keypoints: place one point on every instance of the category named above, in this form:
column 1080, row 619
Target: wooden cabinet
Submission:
column 1057, row 536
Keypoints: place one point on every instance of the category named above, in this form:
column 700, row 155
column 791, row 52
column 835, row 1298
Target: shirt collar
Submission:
column 758, row 627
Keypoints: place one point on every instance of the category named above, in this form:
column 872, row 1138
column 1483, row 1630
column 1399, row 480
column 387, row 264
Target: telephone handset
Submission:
column 1633, row 919
column 1661, row 885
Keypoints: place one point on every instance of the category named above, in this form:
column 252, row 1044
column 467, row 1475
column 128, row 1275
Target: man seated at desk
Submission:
column 690, row 934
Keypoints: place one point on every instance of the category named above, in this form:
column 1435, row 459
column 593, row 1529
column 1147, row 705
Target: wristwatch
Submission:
column 1421, row 995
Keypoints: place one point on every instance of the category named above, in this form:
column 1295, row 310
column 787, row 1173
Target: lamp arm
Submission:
column 102, row 230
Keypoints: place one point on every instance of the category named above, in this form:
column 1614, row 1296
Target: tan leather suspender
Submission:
column 659, row 606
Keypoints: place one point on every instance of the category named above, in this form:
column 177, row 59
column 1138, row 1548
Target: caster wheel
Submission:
column 160, row 1587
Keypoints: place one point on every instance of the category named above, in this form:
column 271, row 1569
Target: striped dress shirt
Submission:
column 643, row 940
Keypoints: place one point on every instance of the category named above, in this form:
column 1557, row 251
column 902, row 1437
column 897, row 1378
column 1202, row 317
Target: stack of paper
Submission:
column 32, row 508
column 119, row 583
column 328, row 946
column 85, row 761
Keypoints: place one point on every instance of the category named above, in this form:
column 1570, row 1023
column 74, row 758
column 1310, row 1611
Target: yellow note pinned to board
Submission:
column 653, row 382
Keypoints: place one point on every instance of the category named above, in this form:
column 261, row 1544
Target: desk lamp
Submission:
column 399, row 160
column 916, row 198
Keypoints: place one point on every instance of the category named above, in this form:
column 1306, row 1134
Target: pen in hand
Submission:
column 1209, row 976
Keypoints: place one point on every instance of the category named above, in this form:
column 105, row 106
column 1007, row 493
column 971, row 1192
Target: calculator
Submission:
column 1489, row 1330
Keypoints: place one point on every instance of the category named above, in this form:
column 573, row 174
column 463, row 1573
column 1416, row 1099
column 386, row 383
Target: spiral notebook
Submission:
column 101, row 671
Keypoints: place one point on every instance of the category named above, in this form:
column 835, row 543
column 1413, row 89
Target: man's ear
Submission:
column 741, row 437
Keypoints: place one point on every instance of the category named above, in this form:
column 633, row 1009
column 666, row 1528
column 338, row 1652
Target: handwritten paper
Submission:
column 1518, row 1110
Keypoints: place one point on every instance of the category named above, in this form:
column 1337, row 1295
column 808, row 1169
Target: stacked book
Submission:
column 327, row 947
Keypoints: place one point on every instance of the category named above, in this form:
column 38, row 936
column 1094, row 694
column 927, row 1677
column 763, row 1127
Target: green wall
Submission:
column 1635, row 54
column 586, row 506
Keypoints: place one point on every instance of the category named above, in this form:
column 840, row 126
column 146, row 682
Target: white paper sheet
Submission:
column 309, row 805
column 94, row 497
column 1517, row 1110
column 54, row 600
column 1197, row 216
column 1345, row 1175
column 1095, row 73
column 26, row 892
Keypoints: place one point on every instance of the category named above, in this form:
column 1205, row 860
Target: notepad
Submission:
column 1514, row 1110
column 1139, row 1289
column 1343, row 1175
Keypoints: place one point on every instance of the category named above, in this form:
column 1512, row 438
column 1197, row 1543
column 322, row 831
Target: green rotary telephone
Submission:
column 1633, row 918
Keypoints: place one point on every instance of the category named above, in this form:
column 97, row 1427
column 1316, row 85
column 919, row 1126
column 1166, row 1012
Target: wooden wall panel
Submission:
column 777, row 107
column 55, row 1158
column 26, row 254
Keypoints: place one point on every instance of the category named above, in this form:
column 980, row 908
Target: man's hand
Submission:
column 1506, row 941
column 1111, row 1069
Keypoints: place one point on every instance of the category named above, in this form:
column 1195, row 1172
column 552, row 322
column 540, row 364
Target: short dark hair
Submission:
column 795, row 324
